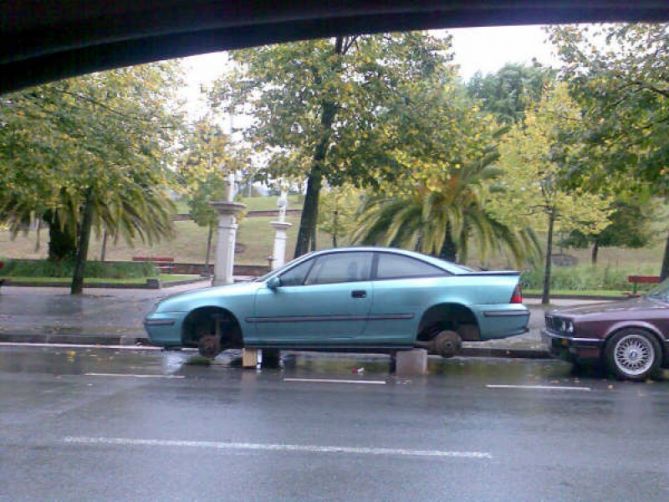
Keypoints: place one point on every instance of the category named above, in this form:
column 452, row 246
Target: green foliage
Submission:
column 205, row 161
column 582, row 278
column 629, row 226
column 334, row 110
column 106, row 134
column 536, row 157
column 509, row 92
column 337, row 212
column 441, row 203
column 618, row 73
column 369, row 84
column 64, row 269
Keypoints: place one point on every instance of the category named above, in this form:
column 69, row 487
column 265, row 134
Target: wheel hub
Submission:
column 634, row 354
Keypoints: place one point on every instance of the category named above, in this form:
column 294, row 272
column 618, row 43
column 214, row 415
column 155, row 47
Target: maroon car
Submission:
column 631, row 337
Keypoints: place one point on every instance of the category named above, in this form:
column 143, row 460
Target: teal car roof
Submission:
column 450, row 267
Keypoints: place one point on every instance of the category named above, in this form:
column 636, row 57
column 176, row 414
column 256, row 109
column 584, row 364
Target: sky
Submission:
column 476, row 49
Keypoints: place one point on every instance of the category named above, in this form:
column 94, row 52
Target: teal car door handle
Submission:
column 359, row 293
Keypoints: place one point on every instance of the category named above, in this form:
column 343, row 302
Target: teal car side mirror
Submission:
column 274, row 283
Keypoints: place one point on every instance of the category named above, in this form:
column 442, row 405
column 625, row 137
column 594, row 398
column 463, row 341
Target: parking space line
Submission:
column 276, row 447
column 334, row 380
column 131, row 375
column 539, row 387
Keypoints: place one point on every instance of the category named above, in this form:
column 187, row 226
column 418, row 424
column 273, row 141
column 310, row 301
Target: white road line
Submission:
column 539, row 387
column 132, row 375
column 79, row 346
column 277, row 447
column 334, row 380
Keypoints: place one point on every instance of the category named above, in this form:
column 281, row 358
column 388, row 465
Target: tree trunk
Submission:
column 449, row 249
column 309, row 213
column 546, row 294
column 82, row 249
column 664, row 273
column 306, row 235
column 38, row 235
column 103, row 251
column 208, row 255
column 334, row 228
column 595, row 252
column 62, row 244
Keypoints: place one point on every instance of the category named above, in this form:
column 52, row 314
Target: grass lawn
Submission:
column 189, row 246
column 268, row 203
column 165, row 278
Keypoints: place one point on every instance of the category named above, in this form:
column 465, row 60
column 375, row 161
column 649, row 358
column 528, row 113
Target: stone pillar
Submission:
column 227, row 234
column 279, row 252
column 280, row 227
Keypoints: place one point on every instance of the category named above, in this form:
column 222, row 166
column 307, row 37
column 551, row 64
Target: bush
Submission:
column 584, row 277
column 97, row 269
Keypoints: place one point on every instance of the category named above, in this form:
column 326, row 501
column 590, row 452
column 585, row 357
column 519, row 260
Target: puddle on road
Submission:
column 77, row 361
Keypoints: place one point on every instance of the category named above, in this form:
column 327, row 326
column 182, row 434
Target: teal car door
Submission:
column 323, row 301
column 403, row 289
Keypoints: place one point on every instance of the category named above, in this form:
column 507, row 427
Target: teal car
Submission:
column 346, row 299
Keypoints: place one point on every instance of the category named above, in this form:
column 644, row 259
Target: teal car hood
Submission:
column 183, row 302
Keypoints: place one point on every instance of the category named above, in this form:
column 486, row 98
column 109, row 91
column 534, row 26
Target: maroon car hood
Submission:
column 608, row 308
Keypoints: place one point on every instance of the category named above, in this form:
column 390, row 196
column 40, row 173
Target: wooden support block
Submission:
column 249, row 358
column 411, row 362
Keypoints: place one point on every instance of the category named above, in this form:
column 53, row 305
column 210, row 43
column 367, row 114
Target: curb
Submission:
column 149, row 284
column 141, row 340
column 74, row 339
column 578, row 297
column 506, row 353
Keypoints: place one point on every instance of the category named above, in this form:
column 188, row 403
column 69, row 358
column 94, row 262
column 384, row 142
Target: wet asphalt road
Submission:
column 72, row 428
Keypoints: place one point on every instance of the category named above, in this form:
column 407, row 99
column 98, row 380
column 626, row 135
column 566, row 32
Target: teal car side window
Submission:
column 296, row 275
column 393, row 266
column 341, row 267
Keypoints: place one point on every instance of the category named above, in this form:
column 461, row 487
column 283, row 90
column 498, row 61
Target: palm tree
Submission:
column 440, row 222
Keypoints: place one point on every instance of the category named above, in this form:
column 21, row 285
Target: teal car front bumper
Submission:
column 164, row 328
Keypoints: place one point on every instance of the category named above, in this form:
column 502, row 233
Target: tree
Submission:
column 536, row 157
column 511, row 90
column 337, row 215
column 88, row 153
column 437, row 202
column 629, row 227
column 205, row 161
column 332, row 110
column 618, row 73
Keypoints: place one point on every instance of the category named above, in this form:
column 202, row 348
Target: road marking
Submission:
column 539, row 387
column 277, row 447
column 79, row 346
column 133, row 375
column 334, row 380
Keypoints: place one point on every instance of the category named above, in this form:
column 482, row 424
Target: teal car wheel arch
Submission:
column 203, row 320
column 448, row 316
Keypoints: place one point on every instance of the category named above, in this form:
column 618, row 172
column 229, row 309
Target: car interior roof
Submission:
column 42, row 41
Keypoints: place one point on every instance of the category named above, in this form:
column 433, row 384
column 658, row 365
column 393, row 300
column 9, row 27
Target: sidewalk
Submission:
column 114, row 317
column 99, row 316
